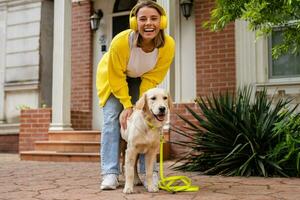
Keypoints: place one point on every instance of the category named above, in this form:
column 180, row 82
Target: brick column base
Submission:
column 179, row 108
column 34, row 126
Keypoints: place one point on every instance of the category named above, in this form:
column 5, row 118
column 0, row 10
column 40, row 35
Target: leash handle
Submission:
column 167, row 183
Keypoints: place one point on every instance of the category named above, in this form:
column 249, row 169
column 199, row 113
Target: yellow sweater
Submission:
column 111, row 72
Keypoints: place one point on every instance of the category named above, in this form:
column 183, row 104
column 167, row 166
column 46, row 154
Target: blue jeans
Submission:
column 110, row 136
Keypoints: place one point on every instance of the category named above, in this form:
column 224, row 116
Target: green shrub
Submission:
column 234, row 135
column 287, row 151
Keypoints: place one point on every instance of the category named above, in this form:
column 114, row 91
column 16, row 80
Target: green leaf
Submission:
column 262, row 17
column 262, row 167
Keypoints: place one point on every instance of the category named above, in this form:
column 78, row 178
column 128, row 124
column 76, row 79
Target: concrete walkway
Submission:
column 26, row 180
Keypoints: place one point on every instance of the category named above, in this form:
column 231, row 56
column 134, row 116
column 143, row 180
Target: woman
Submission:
column 138, row 59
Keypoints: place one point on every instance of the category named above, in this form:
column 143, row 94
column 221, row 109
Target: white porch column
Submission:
column 61, row 87
column 246, row 57
column 2, row 59
column 166, row 5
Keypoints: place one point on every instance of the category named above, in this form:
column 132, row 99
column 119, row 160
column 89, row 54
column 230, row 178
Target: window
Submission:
column 286, row 66
column 122, row 5
column 120, row 23
column 120, row 19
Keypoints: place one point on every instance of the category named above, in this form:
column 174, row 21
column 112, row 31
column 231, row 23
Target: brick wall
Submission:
column 81, row 120
column 82, row 66
column 34, row 125
column 215, row 67
column 177, row 122
column 9, row 143
column 215, row 53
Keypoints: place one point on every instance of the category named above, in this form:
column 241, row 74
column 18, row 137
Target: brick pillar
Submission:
column 82, row 66
column 34, row 125
column 215, row 53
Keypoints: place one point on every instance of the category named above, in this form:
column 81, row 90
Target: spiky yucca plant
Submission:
column 233, row 135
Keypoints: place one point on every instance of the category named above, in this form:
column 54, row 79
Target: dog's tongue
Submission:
column 160, row 117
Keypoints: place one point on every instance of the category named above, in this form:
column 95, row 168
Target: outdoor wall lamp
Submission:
column 95, row 19
column 186, row 8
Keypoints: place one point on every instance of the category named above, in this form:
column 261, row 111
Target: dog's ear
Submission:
column 170, row 102
column 140, row 104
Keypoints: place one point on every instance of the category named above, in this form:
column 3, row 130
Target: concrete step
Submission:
column 59, row 156
column 92, row 136
column 68, row 146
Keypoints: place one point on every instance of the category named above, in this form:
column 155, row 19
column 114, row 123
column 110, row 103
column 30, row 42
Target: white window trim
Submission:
column 252, row 60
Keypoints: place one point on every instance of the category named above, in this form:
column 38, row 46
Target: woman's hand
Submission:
column 125, row 114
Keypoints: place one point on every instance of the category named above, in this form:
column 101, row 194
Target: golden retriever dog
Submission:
column 142, row 135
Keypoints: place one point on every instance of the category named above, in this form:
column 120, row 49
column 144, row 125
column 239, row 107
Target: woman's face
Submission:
column 148, row 21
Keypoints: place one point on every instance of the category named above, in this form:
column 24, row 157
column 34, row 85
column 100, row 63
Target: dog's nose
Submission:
column 162, row 109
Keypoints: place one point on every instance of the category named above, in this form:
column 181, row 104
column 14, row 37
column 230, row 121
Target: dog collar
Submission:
column 150, row 125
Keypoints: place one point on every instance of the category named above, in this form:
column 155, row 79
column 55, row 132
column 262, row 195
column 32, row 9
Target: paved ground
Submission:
column 26, row 180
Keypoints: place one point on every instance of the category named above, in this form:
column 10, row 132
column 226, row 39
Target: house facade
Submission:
column 49, row 57
column 26, row 46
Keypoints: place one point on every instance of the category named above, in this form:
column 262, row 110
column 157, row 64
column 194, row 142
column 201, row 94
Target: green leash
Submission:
column 166, row 183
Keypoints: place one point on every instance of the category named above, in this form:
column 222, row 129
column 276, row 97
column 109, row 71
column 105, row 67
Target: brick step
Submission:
column 68, row 146
column 59, row 156
column 92, row 136
column 73, row 146
column 56, row 156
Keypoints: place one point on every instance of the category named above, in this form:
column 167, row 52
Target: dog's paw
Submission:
column 128, row 190
column 137, row 181
column 153, row 189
